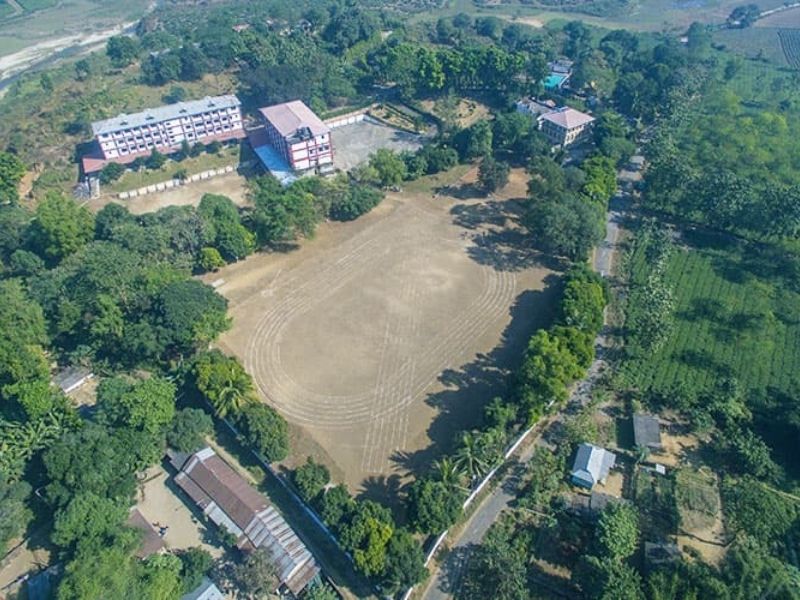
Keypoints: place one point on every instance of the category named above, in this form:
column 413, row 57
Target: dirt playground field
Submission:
column 381, row 338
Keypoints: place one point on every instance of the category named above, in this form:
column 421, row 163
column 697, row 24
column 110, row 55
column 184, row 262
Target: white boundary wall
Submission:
column 489, row 476
column 173, row 183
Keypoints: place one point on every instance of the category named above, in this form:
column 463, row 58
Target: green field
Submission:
column 737, row 315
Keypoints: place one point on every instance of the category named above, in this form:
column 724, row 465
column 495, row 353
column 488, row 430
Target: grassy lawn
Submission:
column 132, row 180
column 429, row 183
column 737, row 314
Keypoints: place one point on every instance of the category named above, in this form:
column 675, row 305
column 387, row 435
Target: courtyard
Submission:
column 354, row 143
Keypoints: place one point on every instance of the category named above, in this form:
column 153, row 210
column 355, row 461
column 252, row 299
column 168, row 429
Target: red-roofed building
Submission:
column 299, row 136
column 566, row 126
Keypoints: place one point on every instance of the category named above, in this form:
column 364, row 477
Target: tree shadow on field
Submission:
column 470, row 387
column 498, row 238
column 384, row 490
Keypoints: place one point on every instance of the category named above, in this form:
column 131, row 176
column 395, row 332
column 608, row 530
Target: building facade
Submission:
column 566, row 126
column 299, row 136
column 126, row 137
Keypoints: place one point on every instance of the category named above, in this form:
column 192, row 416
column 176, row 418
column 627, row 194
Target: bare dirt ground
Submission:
column 354, row 143
column 160, row 502
column 381, row 338
column 231, row 185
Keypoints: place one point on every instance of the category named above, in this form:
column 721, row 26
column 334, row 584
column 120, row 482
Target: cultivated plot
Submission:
column 381, row 338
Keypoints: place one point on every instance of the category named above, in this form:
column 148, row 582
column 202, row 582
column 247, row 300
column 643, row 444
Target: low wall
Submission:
column 349, row 118
column 174, row 183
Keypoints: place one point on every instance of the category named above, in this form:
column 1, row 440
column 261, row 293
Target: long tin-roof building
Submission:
column 233, row 504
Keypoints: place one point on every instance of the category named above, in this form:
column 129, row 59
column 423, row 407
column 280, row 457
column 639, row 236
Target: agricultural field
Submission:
column 699, row 511
column 790, row 44
column 642, row 15
column 737, row 314
column 759, row 43
column 381, row 338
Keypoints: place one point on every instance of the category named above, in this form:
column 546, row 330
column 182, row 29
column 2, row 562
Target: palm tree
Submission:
column 469, row 456
column 224, row 383
column 448, row 472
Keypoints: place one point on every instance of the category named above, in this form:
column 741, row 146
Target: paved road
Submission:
column 445, row 581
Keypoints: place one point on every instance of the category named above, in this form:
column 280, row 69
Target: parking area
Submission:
column 354, row 143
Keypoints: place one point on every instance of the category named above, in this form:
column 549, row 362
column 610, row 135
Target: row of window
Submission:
column 207, row 117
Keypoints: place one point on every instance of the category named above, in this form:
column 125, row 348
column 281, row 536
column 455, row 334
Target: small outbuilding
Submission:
column 207, row 590
column 72, row 378
column 592, row 465
column 647, row 432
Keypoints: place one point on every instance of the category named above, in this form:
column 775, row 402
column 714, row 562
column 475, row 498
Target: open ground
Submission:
column 380, row 339
column 354, row 143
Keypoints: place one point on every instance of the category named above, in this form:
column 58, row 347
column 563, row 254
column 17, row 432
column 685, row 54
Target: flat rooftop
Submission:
column 164, row 113
column 290, row 117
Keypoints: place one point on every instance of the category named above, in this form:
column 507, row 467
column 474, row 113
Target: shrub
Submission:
column 111, row 172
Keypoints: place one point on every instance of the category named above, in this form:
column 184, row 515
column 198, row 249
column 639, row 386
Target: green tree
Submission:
column 583, row 301
column 189, row 429
column 195, row 563
column 148, row 405
column 433, row 506
column 12, row 170
column 230, row 237
column 60, row 227
column 22, row 338
column 354, row 202
column 547, row 368
column 496, row 569
column 83, row 70
column 390, row 167
column 156, row 160
column 192, row 315
column 753, row 508
column 211, row 259
column 101, row 572
column 90, row 460
column 469, row 457
column 255, row 577
column 223, row 382
column 567, row 226
column 478, row 141
column 618, row 532
column 111, row 172
column 405, row 563
column 280, row 215
column 265, row 429
column 366, row 537
column 311, row 478
column 336, row 506
column 320, row 591
column 122, row 50
column 492, row 174
column 14, row 512
column 88, row 520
